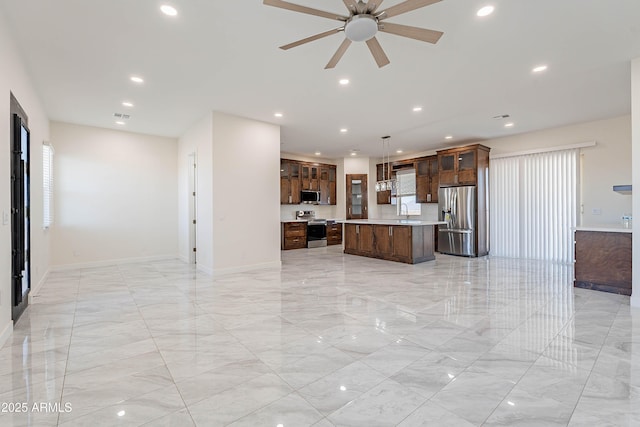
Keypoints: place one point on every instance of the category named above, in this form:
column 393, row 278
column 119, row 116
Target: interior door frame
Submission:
column 20, row 210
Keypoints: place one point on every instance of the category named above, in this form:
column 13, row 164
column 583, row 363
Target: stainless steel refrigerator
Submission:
column 457, row 207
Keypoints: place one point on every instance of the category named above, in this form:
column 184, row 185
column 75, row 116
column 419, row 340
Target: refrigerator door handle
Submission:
column 452, row 230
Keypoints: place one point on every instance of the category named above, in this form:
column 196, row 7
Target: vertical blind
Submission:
column 534, row 205
column 47, row 184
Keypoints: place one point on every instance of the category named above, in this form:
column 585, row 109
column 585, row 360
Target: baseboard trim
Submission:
column 112, row 262
column 6, row 334
column 34, row 291
column 635, row 299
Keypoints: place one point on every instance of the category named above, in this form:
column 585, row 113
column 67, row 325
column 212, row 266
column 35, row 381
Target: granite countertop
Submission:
column 411, row 222
column 608, row 228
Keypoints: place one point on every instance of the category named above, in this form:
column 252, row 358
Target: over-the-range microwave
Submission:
column 308, row 196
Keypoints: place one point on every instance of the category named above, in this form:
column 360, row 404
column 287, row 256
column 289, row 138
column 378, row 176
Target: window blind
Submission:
column 47, row 184
column 406, row 193
column 534, row 205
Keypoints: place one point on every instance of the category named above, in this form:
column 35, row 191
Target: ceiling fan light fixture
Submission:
column 361, row 28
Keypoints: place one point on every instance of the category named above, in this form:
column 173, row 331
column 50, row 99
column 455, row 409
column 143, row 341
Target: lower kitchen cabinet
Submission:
column 401, row 243
column 334, row 234
column 603, row 261
column 358, row 238
column 293, row 235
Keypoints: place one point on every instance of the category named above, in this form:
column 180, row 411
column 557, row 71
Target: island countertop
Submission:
column 412, row 222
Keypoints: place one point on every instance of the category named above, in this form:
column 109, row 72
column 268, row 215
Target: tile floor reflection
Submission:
column 328, row 340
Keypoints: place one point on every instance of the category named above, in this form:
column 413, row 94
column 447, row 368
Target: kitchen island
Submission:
column 401, row 240
column 603, row 259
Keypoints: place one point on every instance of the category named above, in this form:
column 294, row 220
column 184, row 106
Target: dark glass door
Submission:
column 20, row 239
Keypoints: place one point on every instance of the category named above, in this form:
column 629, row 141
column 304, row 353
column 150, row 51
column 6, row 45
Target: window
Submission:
column 406, row 193
column 47, row 184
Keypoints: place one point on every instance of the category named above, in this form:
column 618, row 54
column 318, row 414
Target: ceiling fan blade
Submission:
column 310, row 39
column 303, row 9
column 404, row 7
column 422, row 34
column 352, row 5
column 373, row 5
column 377, row 52
column 338, row 55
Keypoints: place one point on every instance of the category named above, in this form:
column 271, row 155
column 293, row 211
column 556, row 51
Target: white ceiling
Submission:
column 223, row 56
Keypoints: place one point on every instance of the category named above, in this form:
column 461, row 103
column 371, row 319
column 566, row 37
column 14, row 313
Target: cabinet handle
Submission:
column 357, row 229
column 390, row 231
column 329, row 200
column 349, row 211
column 290, row 199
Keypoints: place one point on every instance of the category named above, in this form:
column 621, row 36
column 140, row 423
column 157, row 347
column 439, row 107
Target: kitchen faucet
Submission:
column 406, row 209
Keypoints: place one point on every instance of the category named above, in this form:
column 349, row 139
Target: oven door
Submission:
column 316, row 235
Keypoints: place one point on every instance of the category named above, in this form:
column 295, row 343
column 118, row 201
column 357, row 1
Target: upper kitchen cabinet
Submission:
column 296, row 176
column 310, row 177
column 289, row 182
column 463, row 165
column 327, row 184
column 427, row 180
column 357, row 201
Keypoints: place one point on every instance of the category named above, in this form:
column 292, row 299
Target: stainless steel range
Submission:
column 316, row 229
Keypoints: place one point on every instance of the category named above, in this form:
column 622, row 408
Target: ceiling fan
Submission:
column 362, row 24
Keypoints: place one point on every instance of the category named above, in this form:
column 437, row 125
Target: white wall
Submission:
column 246, row 193
column 115, row 196
column 603, row 166
column 14, row 78
column 635, row 124
column 238, row 194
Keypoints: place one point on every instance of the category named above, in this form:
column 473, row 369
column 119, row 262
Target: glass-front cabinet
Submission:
column 357, row 202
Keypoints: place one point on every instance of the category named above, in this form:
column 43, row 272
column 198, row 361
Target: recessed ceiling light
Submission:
column 168, row 10
column 344, row 82
column 278, row 114
column 127, row 104
column 485, row 11
column 417, row 109
column 137, row 79
column 448, row 137
column 318, row 153
column 508, row 125
column 399, row 151
column 344, row 130
column 353, row 153
column 540, row 68
column 120, row 122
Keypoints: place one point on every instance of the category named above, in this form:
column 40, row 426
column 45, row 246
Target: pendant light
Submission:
column 386, row 183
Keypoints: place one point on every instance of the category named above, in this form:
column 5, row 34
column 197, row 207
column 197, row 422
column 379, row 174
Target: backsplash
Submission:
column 429, row 212
column 322, row 211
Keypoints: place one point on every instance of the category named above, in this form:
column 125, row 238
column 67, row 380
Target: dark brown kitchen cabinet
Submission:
column 293, row 235
column 427, row 181
column 327, row 184
column 334, row 234
column 603, row 261
column 296, row 176
column 289, row 182
column 358, row 238
column 310, row 177
column 357, row 201
column 333, row 174
column 392, row 242
column 463, row 165
column 401, row 243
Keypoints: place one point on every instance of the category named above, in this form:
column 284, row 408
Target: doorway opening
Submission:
column 20, row 215
column 192, row 205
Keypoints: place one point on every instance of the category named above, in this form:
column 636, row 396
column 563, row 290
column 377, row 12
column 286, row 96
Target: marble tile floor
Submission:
column 328, row 340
